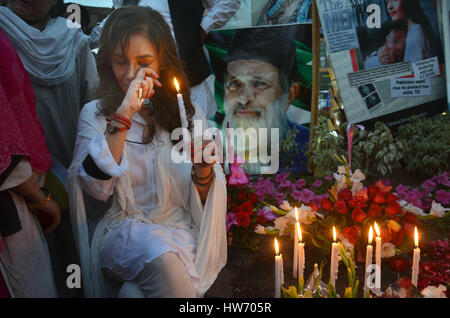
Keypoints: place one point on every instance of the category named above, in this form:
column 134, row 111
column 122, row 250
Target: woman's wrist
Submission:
column 125, row 111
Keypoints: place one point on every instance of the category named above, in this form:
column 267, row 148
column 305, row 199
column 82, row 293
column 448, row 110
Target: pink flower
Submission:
column 286, row 184
column 280, row 177
column 316, row 184
column 307, row 196
column 267, row 213
column 300, row 183
column 429, row 185
column 401, row 190
column 297, row 195
column 443, row 178
column 238, row 175
column 443, row 197
column 230, row 220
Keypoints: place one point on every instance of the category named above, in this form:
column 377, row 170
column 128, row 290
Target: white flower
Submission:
column 357, row 176
column 342, row 170
column 345, row 243
column 305, row 212
column 434, row 292
column 438, row 210
column 387, row 250
column 281, row 224
column 286, row 206
column 408, row 207
column 356, row 187
column 260, row 229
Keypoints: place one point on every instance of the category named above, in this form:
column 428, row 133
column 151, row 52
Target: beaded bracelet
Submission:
column 42, row 203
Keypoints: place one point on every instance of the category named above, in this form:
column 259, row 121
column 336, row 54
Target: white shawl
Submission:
column 176, row 194
column 49, row 55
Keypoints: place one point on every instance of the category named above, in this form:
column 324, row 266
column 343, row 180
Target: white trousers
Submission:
column 165, row 277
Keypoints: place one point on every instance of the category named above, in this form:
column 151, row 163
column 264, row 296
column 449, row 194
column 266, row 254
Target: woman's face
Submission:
column 140, row 53
column 32, row 11
column 395, row 10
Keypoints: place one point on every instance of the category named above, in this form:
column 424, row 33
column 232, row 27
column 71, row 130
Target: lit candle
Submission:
column 416, row 258
column 369, row 253
column 278, row 270
column 301, row 252
column 378, row 258
column 183, row 118
column 334, row 259
column 295, row 266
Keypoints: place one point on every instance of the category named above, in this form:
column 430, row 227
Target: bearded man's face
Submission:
column 253, row 95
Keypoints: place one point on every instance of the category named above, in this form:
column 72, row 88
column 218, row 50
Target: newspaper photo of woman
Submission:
column 419, row 38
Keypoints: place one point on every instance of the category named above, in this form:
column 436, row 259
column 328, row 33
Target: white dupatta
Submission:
column 176, row 194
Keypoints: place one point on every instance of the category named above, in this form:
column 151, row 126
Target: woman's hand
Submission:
column 203, row 156
column 145, row 79
column 52, row 215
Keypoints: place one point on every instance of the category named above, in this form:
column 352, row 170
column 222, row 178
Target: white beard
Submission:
column 273, row 117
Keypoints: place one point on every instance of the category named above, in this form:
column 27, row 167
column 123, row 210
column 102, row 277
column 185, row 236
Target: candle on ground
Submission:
column 334, row 259
column 369, row 256
column 278, row 270
column 378, row 258
column 301, row 252
column 295, row 261
column 416, row 258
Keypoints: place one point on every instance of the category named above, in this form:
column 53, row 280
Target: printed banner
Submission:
column 396, row 39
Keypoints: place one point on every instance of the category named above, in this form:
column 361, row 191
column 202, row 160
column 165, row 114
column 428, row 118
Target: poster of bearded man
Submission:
column 263, row 93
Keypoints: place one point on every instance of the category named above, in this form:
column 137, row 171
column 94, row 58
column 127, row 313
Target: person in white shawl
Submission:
column 165, row 233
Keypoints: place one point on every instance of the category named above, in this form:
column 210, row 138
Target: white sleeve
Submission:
column 219, row 12
column 99, row 151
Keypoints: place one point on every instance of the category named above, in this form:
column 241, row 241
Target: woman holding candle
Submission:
column 164, row 235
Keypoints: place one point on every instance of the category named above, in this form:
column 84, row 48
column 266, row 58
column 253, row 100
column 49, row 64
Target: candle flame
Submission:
column 334, row 234
column 277, row 250
column 377, row 229
column 370, row 235
column 416, row 237
column 177, row 86
column 296, row 215
column 299, row 232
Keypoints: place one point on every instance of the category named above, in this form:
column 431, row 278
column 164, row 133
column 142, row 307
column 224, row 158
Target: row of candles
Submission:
column 299, row 258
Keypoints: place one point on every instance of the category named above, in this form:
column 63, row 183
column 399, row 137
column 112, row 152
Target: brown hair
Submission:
column 120, row 26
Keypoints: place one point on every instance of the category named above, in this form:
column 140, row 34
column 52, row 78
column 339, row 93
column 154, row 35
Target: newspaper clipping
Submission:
column 386, row 54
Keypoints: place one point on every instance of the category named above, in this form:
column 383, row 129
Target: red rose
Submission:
column 253, row 198
column 345, row 194
column 341, row 207
column 326, row 204
column 246, row 207
column 351, row 234
column 372, row 191
column 313, row 206
column 393, row 209
column 374, row 210
column 408, row 227
column 390, row 197
column 243, row 219
column 410, row 218
column 386, row 235
column 399, row 264
column 241, row 196
column 357, row 202
column 398, row 237
column 260, row 219
column 358, row 215
column 379, row 198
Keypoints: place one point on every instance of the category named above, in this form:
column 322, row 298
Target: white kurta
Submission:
column 156, row 207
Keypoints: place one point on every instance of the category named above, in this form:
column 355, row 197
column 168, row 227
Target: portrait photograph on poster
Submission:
column 263, row 80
